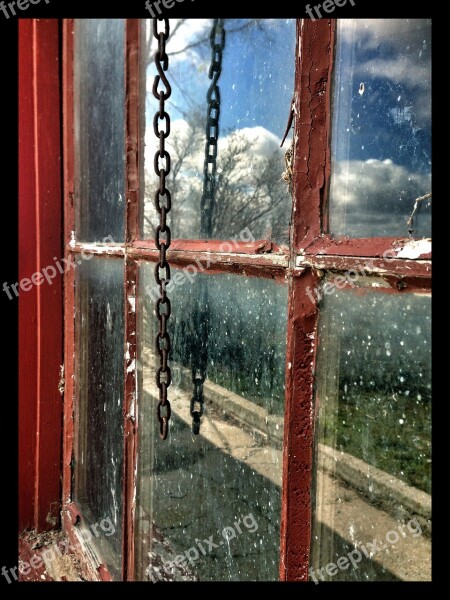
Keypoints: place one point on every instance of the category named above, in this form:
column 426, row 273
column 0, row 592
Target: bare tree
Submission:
column 249, row 191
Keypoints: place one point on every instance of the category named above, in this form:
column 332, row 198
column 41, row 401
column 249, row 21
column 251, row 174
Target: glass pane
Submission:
column 99, row 400
column 256, row 88
column 372, row 518
column 100, row 129
column 212, row 502
column 381, row 132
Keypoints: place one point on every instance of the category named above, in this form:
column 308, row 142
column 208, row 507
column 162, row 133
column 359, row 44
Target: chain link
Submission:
column 162, row 169
column 217, row 41
column 199, row 352
column 199, row 355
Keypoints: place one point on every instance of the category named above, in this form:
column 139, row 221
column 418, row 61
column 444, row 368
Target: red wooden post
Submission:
column 40, row 247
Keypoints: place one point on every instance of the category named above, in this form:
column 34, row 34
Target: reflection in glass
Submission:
column 100, row 129
column 99, row 400
column 374, row 437
column 381, row 132
column 223, row 485
column 256, row 87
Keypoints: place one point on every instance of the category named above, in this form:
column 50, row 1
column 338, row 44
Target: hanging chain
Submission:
column 217, row 41
column 163, row 306
column 199, row 354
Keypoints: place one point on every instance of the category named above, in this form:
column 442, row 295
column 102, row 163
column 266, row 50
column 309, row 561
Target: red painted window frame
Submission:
column 314, row 252
column 40, row 308
column 311, row 251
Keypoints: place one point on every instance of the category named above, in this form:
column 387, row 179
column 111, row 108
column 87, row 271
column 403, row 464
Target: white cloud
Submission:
column 400, row 52
column 263, row 144
column 375, row 197
column 400, row 34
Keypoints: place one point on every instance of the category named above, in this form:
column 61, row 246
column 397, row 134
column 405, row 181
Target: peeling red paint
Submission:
column 269, row 266
column 370, row 247
column 135, row 126
column 312, row 133
column 74, row 513
column 234, row 246
column 368, row 265
column 133, row 129
column 298, row 437
column 69, row 220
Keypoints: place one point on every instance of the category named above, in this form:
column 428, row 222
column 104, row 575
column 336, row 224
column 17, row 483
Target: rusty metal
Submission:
column 163, row 306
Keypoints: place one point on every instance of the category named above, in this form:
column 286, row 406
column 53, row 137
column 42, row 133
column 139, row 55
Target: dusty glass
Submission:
column 98, row 450
column 99, row 90
column 373, row 456
column 209, row 505
column 381, row 128
column 256, row 89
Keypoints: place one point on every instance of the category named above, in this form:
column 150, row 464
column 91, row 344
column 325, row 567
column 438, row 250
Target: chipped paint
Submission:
column 132, row 366
column 415, row 249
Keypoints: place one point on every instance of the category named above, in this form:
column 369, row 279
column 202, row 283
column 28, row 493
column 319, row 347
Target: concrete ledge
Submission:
column 382, row 489
column 391, row 493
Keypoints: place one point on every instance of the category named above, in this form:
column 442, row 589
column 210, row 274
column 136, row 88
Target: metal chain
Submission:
column 199, row 354
column 217, row 41
column 162, row 169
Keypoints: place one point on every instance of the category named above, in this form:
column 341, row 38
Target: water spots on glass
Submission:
column 373, row 392
column 381, row 163
column 195, row 486
column 99, row 398
column 99, row 67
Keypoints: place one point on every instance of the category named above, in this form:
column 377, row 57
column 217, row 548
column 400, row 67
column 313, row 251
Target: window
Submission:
column 299, row 300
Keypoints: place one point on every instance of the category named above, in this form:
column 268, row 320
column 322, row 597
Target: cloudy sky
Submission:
column 382, row 127
column 256, row 87
column 381, row 139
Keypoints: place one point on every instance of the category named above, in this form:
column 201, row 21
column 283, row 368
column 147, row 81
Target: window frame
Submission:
column 40, row 308
column 312, row 253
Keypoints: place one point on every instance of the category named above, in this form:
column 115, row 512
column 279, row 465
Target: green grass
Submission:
column 391, row 432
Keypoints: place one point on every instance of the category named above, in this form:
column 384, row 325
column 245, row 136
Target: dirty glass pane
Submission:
column 100, row 129
column 99, row 399
column 212, row 502
column 372, row 516
column 256, row 88
column 381, row 131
